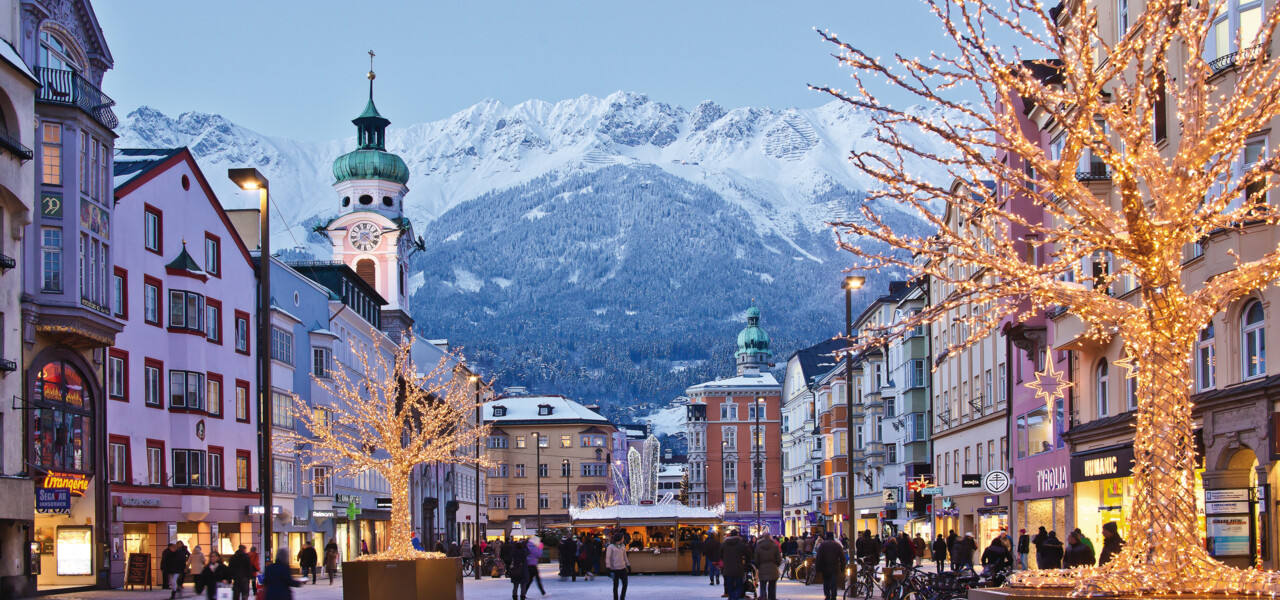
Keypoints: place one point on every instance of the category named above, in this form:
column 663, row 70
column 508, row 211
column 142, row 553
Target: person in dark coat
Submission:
column 277, row 579
column 829, row 561
column 1077, row 553
column 241, row 573
column 215, row 572
column 711, row 554
column 1052, row 551
column 308, row 560
column 906, row 551
column 996, row 557
column 734, row 554
column 518, row 570
column 166, row 567
column 939, row 549
column 504, row 552
column 890, row 551
column 1024, row 548
column 962, row 552
column 597, row 551
column 768, row 560
column 696, row 548
column 1038, row 543
column 584, row 559
column 1112, row 543
column 184, row 555
column 569, row 558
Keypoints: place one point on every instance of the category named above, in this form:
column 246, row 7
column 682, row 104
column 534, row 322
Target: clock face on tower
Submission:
column 365, row 235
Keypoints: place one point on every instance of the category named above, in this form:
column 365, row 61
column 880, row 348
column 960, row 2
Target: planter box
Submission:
column 437, row 578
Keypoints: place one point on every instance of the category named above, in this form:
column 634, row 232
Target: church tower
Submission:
column 753, row 353
column 371, row 234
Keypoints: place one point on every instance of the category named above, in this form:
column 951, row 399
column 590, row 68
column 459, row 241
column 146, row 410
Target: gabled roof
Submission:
column 750, row 381
column 524, row 409
column 818, row 358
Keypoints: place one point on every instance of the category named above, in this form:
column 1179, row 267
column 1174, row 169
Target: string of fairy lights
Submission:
column 1026, row 230
column 389, row 418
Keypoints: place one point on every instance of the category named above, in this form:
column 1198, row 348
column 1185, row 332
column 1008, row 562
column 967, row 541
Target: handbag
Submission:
column 223, row 593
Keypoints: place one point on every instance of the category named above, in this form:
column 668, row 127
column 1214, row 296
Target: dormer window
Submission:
column 499, row 411
column 544, row 410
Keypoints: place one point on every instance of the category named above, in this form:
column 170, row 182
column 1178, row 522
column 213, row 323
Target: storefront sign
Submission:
column 996, row 482
column 385, row 503
column 932, row 491
column 1052, row 480
column 328, row 514
column 991, row 500
column 1233, row 495
column 76, row 483
column 53, row 501
column 890, row 496
column 139, row 570
column 51, row 205
column 353, row 511
column 970, row 480
column 143, row 502
column 1108, row 463
column 257, row 509
column 1226, row 508
column 301, row 522
column 1228, row 536
column 347, row 499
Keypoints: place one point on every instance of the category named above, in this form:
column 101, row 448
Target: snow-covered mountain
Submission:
column 616, row 240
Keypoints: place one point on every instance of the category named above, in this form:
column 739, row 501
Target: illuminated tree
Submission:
column 388, row 417
column 1128, row 228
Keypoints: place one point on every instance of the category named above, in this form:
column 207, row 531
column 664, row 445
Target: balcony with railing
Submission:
column 1227, row 61
column 7, row 262
column 8, row 366
column 1096, row 171
column 66, row 87
column 14, row 146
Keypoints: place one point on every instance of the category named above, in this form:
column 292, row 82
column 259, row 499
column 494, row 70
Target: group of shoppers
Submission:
column 1078, row 551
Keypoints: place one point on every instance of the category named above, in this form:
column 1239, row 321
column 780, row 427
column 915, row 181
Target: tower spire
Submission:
column 372, row 75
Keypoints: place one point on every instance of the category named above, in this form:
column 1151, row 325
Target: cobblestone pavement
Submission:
column 641, row 587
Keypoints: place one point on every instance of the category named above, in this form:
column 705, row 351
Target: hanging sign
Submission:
column 353, row 511
column 53, row 501
column 970, row 480
column 996, row 482
column 382, row 503
column 76, row 483
column 200, row 429
column 932, row 491
column 1110, row 463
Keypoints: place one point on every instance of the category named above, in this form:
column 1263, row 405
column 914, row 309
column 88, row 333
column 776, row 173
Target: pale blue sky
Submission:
column 296, row 68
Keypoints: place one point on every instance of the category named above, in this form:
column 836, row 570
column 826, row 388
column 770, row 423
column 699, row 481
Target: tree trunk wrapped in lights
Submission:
column 389, row 417
column 1105, row 99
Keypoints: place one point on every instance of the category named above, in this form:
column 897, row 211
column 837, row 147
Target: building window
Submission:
column 118, row 374
column 519, row 501
column 242, row 471
column 186, row 390
column 543, row 501
column 564, row 500
column 151, row 382
column 118, row 462
column 213, row 321
column 730, row 471
column 520, row 442
column 242, row 401
column 1255, row 151
column 242, row 332
column 1131, row 392
column 728, row 412
column 212, row 255
column 152, row 229
column 498, row 471
column 731, row 502
column 151, row 301
column 1100, row 392
column 542, row 441
column 320, row 362
column 497, row 501
column 121, row 295
column 542, row 470
column 1253, row 340
column 518, row 471
column 215, row 468
column 51, row 259
column 155, row 463
column 566, row 469
column 589, row 441
column 213, row 394
column 497, row 442
column 1205, row 360
column 51, row 153
column 1035, row 433
column 62, row 418
column 1122, row 18
column 544, row 410
column 1235, row 29
column 186, row 311
column 566, row 441
column 281, row 410
column 593, row 469
column 282, row 345
column 321, row 481
column 282, row 476
column 730, row 437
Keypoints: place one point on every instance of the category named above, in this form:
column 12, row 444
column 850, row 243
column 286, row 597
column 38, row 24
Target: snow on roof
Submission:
column 748, row 381
column 671, row 470
column 10, row 56
column 655, row 512
column 525, row 408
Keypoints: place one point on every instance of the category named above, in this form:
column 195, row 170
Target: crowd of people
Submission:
column 242, row 572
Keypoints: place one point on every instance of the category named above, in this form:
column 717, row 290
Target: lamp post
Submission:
column 568, row 498
column 250, row 179
column 757, row 469
column 852, row 282
column 724, row 446
column 475, row 380
column 537, row 465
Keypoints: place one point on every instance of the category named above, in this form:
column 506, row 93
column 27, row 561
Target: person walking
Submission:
column 1053, row 552
column 939, row 552
column 195, row 566
column 1024, row 548
column 616, row 561
column 584, row 563
column 829, row 561
column 695, row 548
column 535, row 554
column 1077, row 553
column 962, row 552
column 593, row 556
column 364, row 548
column 1038, row 542
column 996, row 557
column 307, row 561
column 921, row 547
column 906, row 551
column 171, row 565
column 277, row 579
column 768, row 559
column 568, row 558
column 255, row 559
column 183, row 555
column 734, row 556
column 711, row 554
column 518, row 570
column 1112, row 543
column 242, row 572
column 331, row 560
column 211, row 575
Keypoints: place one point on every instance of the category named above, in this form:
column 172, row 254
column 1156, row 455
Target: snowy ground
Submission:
column 641, row 587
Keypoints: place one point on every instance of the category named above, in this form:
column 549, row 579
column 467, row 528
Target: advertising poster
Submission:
column 1228, row 536
column 74, row 551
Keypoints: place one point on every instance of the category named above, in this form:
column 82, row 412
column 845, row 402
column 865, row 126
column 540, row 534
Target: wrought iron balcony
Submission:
column 8, row 366
column 1227, row 61
column 1096, row 172
column 7, row 262
column 15, row 147
column 62, row 86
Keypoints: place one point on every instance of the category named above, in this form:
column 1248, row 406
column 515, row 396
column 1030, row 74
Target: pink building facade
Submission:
column 182, row 431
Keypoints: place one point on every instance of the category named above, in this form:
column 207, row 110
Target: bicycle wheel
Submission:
column 805, row 574
column 467, row 570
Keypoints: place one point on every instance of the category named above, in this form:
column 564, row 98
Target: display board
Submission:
column 73, row 549
column 139, row 570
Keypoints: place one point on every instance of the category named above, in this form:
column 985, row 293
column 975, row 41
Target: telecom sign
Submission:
column 932, row 491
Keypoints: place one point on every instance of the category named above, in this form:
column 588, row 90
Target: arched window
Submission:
column 1205, row 362
column 62, row 418
column 1253, row 340
column 55, row 53
column 1103, row 380
column 365, row 269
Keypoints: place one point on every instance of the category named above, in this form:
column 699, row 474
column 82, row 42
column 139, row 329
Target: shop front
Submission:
column 1041, row 500
column 1104, row 488
column 658, row 537
column 145, row 521
column 868, row 519
column 983, row 515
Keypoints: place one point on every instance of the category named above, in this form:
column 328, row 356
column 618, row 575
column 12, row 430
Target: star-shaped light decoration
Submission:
column 1050, row 384
column 1130, row 368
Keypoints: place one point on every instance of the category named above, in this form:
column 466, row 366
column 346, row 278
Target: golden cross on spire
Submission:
column 371, row 75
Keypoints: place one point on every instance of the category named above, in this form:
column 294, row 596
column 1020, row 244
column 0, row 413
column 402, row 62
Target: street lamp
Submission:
column 851, row 282
column 475, row 380
column 537, row 464
column 757, row 469
column 724, row 447
column 250, row 179
column 567, row 498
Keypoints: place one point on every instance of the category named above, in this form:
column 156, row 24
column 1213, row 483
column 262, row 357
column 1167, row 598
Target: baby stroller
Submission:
column 750, row 583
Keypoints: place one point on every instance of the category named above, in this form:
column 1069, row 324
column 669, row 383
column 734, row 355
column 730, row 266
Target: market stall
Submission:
column 658, row 537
